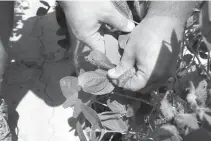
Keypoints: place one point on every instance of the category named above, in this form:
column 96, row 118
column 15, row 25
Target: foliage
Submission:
column 167, row 113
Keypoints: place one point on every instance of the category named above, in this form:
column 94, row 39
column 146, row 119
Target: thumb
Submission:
column 135, row 83
column 119, row 21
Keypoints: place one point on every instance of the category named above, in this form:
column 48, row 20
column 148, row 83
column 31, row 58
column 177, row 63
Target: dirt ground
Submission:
column 31, row 82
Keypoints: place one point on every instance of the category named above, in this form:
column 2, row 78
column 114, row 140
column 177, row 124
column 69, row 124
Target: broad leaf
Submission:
column 80, row 132
column 117, row 104
column 99, row 59
column 69, row 86
column 71, row 100
column 122, row 80
column 109, row 88
column 166, row 131
column 91, row 116
column 109, row 115
column 92, row 82
column 186, row 120
column 117, row 125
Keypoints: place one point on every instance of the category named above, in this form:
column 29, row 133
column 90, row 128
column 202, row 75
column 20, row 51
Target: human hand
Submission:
column 84, row 19
column 153, row 46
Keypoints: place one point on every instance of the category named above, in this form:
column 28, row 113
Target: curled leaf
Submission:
column 69, row 86
column 91, row 116
column 92, row 82
column 99, row 59
column 109, row 115
column 186, row 120
column 121, row 81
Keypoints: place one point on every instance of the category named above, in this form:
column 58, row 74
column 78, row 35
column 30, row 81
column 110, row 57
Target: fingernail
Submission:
column 130, row 25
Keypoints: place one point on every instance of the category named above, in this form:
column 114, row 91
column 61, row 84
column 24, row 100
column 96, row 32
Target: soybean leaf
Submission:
column 189, row 120
column 77, row 108
column 109, row 115
column 92, row 82
column 122, row 80
column 71, row 100
column 99, row 59
column 117, row 104
column 108, row 88
column 80, row 132
column 201, row 92
column 117, row 125
column 132, row 108
column 91, row 116
column 69, row 86
column 164, row 132
column 168, row 111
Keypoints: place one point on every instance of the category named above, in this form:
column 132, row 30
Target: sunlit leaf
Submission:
column 207, row 118
column 91, row 116
column 77, row 108
column 80, row 132
column 186, row 120
column 92, row 82
column 201, row 92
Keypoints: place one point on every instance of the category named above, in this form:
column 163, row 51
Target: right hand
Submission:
column 85, row 19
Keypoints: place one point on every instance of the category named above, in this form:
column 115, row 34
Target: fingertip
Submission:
column 130, row 26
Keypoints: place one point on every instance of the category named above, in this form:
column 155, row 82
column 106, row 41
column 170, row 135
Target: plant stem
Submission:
column 101, row 103
column 133, row 98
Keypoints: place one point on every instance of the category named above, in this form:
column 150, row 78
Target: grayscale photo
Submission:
column 102, row 70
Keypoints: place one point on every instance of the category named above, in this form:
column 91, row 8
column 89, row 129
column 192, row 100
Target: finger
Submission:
column 119, row 21
column 127, row 62
column 137, row 82
column 95, row 42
